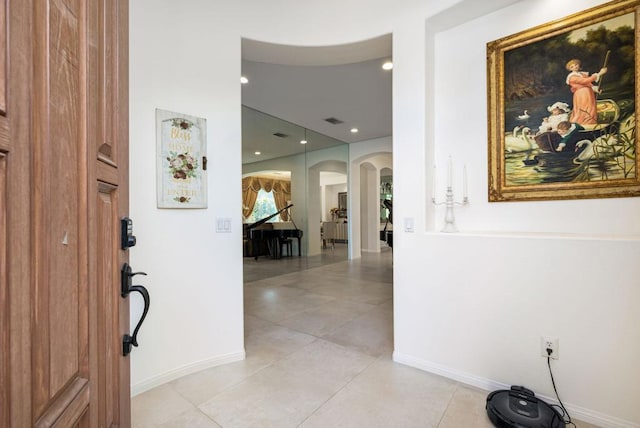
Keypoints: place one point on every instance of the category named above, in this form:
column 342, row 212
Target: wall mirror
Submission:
column 310, row 175
column 343, row 93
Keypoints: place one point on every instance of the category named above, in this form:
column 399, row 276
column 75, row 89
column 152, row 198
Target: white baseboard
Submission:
column 576, row 412
column 163, row 378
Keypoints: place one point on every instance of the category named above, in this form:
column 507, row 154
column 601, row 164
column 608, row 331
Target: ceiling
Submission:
column 293, row 89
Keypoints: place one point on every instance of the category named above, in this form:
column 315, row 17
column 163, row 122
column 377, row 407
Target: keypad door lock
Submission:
column 127, row 239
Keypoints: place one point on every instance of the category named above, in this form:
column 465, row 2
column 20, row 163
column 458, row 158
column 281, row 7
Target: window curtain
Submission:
column 252, row 185
column 250, row 189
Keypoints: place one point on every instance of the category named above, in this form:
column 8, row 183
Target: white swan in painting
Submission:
column 519, row 143
column 515, row 131
column 587, row 153
column 524, row 116
column 604, row 144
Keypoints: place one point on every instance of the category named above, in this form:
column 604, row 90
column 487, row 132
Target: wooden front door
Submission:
column 63, row 190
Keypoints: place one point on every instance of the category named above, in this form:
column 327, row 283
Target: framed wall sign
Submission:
column 562, row 103
column 181, row 160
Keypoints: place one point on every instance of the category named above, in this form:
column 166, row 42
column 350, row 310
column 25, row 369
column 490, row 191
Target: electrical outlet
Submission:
column 553, row 343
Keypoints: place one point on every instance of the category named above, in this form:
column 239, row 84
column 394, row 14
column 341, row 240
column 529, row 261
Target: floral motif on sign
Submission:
column 181, row 123
column 182, row 165
column 182, row 199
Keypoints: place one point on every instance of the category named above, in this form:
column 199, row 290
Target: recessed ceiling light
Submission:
column 303, row 141
column 387, row 65
column 257, row 153
column 244, row 80
column 354, row 130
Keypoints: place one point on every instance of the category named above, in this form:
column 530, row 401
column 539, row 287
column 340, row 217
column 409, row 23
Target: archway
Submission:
column 315, row 198
column 364, row 187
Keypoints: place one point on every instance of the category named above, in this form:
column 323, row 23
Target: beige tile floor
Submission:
column 318, row 338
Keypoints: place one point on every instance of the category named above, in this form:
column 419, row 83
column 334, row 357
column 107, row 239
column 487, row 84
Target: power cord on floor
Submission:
column 566, row 418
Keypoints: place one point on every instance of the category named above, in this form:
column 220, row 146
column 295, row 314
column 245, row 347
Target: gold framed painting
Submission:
column 562, row 108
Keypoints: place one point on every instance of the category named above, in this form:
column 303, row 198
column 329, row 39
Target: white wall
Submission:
column 474, row 305
column 470, row 305
column 194, row 274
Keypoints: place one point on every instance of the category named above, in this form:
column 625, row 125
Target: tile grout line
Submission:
column 373, row 361
column 446, row 409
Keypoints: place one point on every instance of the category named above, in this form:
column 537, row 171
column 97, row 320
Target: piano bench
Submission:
column 288, row 243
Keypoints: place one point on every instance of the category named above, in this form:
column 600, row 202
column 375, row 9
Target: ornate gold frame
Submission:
column 502, row 189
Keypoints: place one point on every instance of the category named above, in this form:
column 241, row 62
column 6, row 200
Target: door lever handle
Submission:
column 126, row 279
column 129, row 341
column 126, row 288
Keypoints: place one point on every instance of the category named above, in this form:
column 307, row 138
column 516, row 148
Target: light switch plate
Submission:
column 223, row 225
column 408, row 224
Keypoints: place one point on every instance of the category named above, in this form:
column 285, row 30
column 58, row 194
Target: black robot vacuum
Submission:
column 518, row 407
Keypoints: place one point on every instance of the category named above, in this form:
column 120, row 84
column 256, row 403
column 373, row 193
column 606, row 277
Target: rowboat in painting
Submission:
column 608, row 115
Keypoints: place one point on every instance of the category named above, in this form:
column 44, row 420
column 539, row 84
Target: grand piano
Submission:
column 262, row 238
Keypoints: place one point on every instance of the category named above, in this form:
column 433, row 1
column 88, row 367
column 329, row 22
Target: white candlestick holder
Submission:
column 449, row 202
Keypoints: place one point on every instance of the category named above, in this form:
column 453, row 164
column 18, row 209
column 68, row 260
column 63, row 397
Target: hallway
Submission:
column 319, row 344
